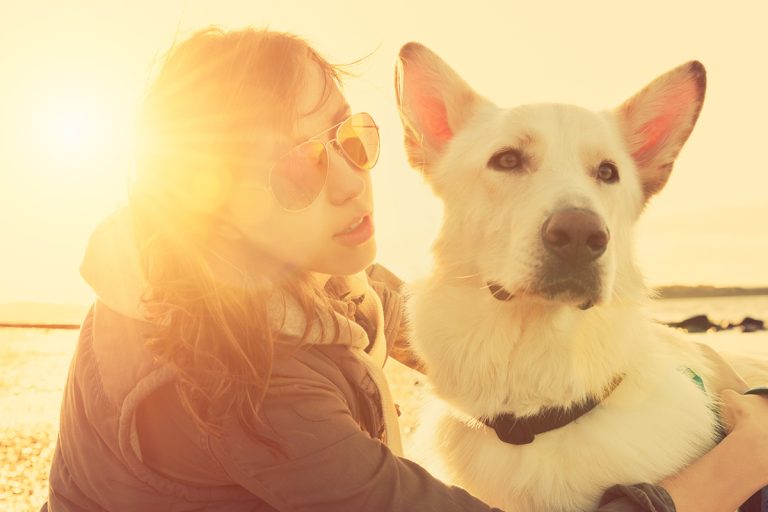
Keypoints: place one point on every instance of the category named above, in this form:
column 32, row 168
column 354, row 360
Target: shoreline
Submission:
column 69, row 327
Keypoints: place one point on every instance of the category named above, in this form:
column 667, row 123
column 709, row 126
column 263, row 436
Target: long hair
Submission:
column 213, row 91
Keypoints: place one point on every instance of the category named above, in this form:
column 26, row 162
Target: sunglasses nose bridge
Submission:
column 334, row 151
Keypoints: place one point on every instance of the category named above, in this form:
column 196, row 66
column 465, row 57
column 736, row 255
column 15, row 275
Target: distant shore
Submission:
column 691, row 292
column 41, row 326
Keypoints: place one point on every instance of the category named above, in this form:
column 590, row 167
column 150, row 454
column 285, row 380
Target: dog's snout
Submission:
column 575, row 235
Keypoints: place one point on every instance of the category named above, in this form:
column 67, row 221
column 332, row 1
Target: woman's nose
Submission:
column 345, row 180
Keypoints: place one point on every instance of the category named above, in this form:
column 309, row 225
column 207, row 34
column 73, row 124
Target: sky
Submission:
column 73, row 74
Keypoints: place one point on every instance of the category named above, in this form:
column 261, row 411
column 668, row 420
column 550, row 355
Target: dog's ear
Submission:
column 433, row 101
column 657, row 121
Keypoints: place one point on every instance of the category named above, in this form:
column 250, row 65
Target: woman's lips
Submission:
column 357, row 233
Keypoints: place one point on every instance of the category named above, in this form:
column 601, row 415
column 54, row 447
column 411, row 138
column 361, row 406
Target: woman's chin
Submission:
column 350, row 261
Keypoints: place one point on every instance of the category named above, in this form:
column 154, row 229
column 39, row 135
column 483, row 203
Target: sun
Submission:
column 71, row 128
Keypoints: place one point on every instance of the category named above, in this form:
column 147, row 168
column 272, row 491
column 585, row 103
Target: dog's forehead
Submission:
column 552, row 124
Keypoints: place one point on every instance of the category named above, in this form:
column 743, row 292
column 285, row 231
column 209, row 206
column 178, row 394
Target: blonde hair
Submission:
column 213, row 92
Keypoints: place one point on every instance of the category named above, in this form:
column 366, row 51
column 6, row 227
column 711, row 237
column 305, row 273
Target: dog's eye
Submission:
column 506, row 160
column 608, row 172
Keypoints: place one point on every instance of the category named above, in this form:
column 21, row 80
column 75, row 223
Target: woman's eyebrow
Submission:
column 341, row 115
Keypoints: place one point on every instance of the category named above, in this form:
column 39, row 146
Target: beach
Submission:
column 34, row 364
column 33, row 367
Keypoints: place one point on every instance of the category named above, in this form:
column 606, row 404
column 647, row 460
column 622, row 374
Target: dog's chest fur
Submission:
column 485, row 357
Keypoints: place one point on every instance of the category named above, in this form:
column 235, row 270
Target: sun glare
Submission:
column 71, row 129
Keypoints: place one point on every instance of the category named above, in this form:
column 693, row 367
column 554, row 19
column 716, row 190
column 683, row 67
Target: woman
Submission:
column 233, row 358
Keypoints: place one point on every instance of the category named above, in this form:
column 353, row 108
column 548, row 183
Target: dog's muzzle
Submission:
column 574, row 239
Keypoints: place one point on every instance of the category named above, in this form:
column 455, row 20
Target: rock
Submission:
column 702, row 323
column 752, row 325
column 698, row 323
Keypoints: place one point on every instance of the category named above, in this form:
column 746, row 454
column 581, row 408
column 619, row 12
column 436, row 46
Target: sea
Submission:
column 721, row 311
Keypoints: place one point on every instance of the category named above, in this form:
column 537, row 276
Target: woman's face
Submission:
column 334, row 234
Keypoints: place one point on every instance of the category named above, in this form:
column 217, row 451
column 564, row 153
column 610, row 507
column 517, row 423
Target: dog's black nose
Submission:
column 575, row 235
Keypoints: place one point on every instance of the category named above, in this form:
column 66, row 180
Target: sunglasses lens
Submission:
column 299, row 176
column 358, row 137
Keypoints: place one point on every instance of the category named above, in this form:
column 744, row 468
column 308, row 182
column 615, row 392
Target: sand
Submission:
column 33, row 369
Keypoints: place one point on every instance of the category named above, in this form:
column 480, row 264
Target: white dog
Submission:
column 531, row 324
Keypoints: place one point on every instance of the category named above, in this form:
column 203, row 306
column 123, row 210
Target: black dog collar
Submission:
column 513, row 430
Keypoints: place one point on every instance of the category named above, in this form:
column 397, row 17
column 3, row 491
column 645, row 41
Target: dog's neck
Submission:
column 539, row 354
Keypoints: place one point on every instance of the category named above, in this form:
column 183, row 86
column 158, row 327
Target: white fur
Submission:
column 485, row 356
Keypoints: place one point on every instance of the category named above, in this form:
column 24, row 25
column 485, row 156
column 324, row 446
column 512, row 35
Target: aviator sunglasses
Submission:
column 298, row 177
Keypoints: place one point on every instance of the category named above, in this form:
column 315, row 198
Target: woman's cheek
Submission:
column 252, row 207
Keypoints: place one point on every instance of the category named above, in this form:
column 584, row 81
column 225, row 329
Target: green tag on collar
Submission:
column 695, row 377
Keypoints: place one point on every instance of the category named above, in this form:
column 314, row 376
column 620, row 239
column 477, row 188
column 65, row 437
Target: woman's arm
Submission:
column 326, row 462
column 721, row 480
column 735, row 469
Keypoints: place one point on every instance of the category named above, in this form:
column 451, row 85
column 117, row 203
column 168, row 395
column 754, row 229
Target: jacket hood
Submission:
column 111, row 265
